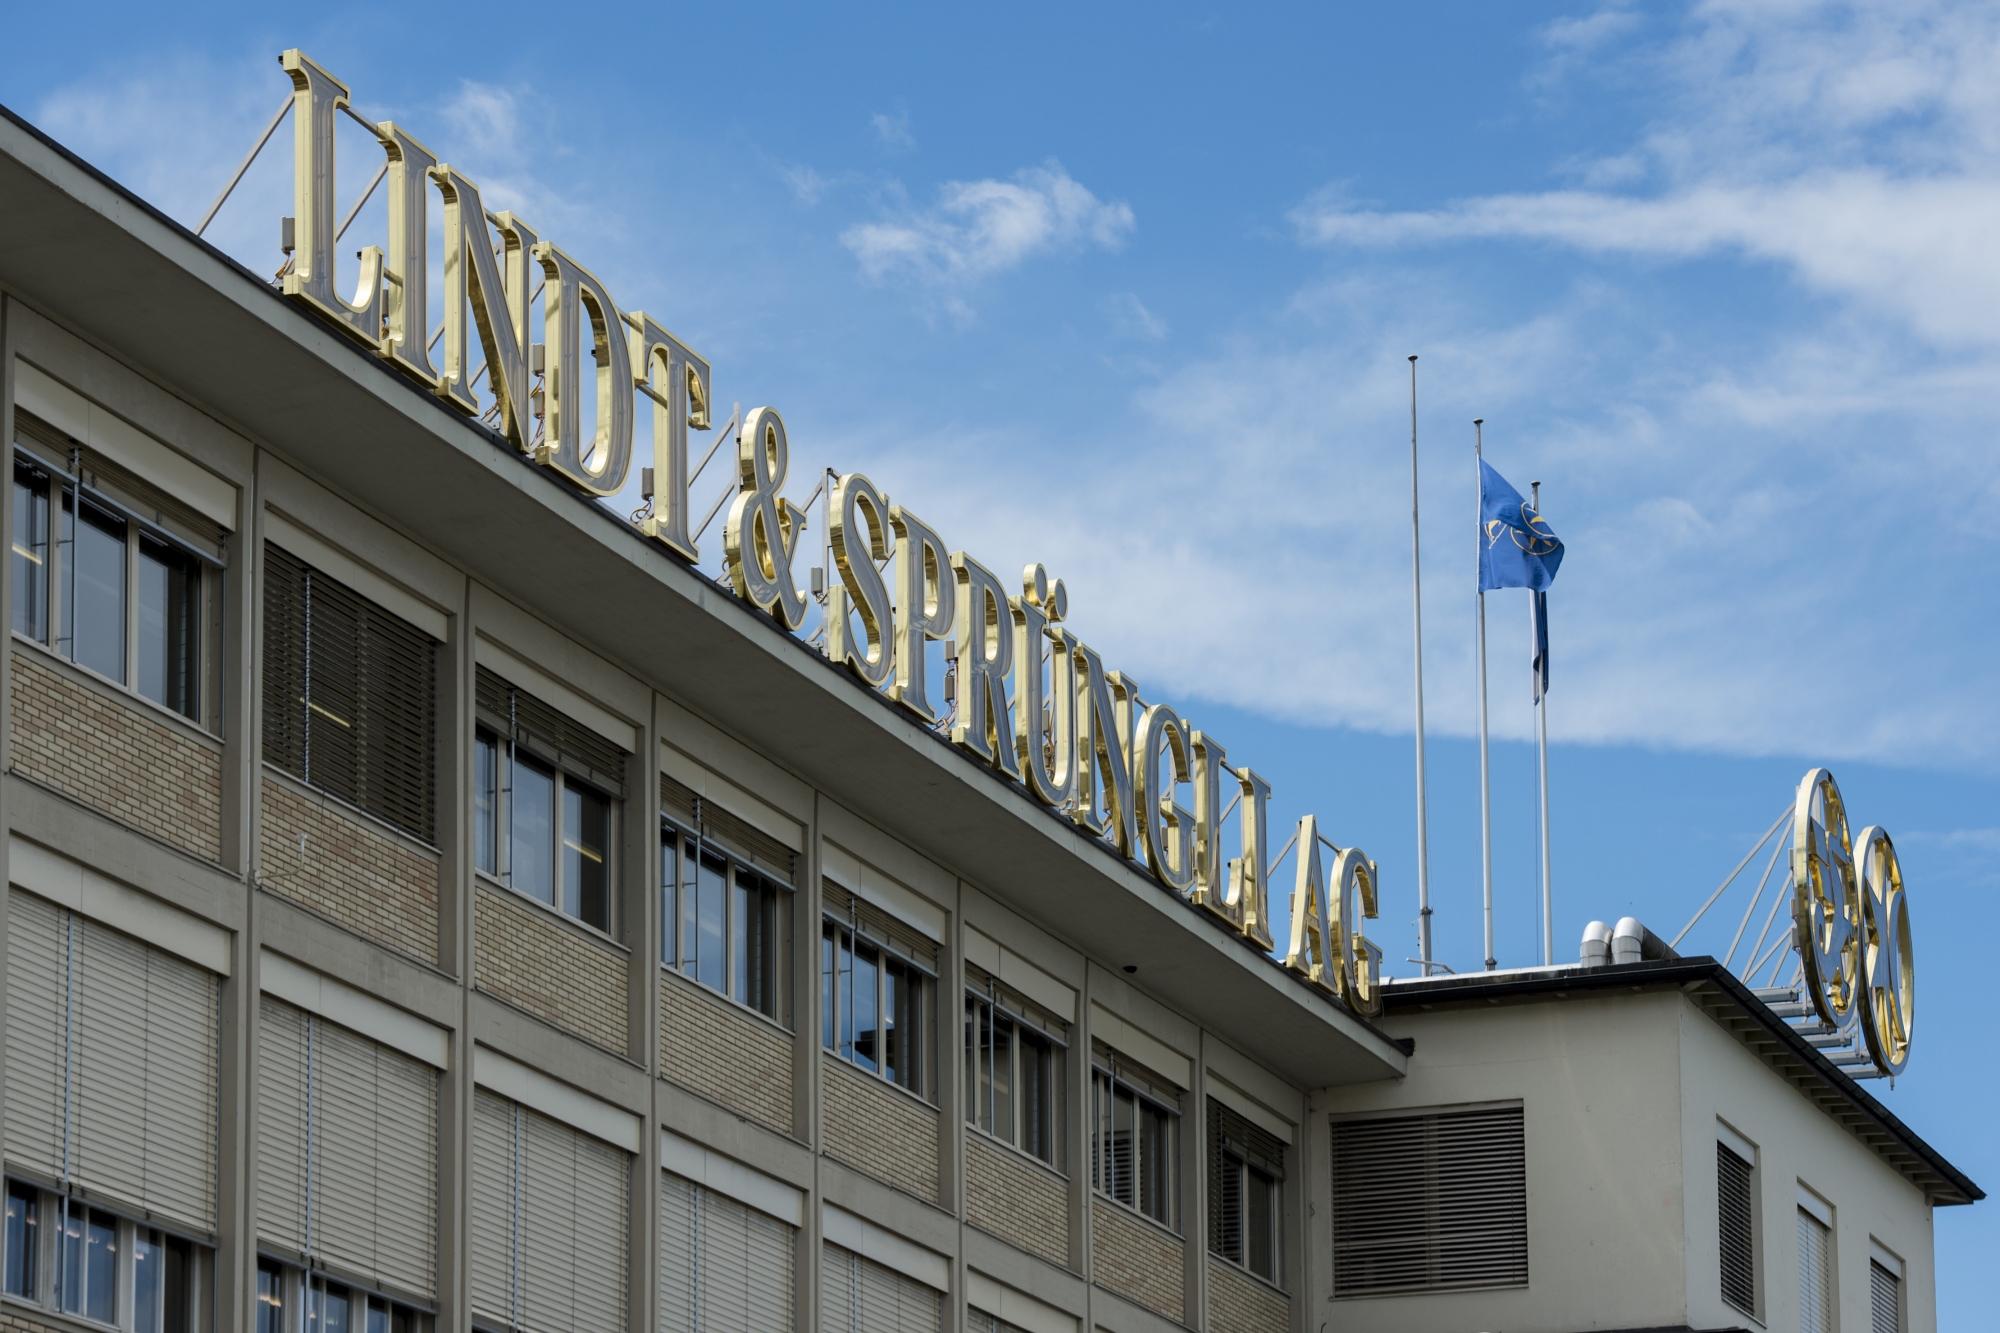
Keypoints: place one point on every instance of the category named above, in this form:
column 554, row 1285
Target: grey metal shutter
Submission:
column 771, row 1275
column 572, row 1243
column 1885, row 1300
column 840, row 1290
column 680, row 1255
column 1430, row 1202
column 144, row 1119
column 37, row 1032
column 724, row 1267
column 892, row 1303
column 374, row 1161
column 493, row 1207
column 281, row 1124
column 1735, row 1236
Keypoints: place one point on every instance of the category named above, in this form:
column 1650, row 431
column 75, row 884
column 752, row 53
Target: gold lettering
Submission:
column 856, row 554
column 676, row 378
column 1168, row 828
column 763, row 529
column 316, row 97
column 1310, row 955
column 573, row 298
column 1044, row 722
column 982, row 650
column 925, row 608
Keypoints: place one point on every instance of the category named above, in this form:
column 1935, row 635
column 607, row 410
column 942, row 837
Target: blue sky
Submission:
column 1128, row 290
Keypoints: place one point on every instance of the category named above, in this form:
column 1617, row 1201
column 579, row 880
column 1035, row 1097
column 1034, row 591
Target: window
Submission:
column 1815, row 1273
column 724, row 924
column 549, row 1210
column 290, row 1300
column 725, row 1267
column 544, row 805
column 349, row 696
column 862, row 1296
column 1015, row 1058
column 113, row 592
column 1885, row 1298
column 1135, row 1138
column 76, row 1265
column 877, row 981
column 1736, row 1229
column 1433, row 1202
column 1246, row 1172
column 321, row 1089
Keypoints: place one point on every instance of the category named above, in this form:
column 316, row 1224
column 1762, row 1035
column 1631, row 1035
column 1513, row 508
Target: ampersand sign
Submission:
column 764, row 528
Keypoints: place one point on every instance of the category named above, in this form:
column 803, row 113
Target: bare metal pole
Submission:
column 1417, row 612
column 262, row 139
column 1542, row 760
column 1485, row 776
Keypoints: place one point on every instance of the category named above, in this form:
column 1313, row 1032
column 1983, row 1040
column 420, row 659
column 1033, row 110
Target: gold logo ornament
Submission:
column 1825, row 910
column 1889, row 972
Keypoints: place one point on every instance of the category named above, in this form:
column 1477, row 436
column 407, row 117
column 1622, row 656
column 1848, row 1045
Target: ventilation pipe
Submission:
column 1596, row 950
column 1632, row 943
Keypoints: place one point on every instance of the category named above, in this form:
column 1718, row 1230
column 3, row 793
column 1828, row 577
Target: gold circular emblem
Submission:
column 1824, row 908
column 1888, row 1009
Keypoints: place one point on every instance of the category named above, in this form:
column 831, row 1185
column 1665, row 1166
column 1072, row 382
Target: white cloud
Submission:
column 979, row 228
column 1131, row 319
column 806, row 185
column 893, row 130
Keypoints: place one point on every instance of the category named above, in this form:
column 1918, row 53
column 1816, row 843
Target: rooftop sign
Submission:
column 1028, row 698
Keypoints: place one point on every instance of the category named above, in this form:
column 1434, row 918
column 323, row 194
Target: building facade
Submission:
column 435, row 905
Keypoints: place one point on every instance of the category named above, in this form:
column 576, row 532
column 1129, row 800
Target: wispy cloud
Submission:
column 1131, row 319
column 893, row 130
column 980, row 228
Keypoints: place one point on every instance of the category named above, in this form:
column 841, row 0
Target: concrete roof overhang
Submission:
column 99, row 260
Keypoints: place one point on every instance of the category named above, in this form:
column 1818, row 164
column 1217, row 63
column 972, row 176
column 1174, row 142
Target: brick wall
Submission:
column 548, row 969
column 1239, row 1303
column 1137, row 1260
column 357, row 874
column 711, row 1046
column 1019, row 1202
column 114, row 758
column 874, row 1128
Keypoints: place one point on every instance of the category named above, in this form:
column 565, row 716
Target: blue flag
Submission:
column 1516, row 547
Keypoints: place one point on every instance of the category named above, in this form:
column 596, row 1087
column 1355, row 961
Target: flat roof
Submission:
column 103, row 262
column 1721, row 995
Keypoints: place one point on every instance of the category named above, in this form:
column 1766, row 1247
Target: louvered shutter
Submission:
column 772, row 1274
column 892, row 1303
column 549, row 732
column 573, row 1227
column 840, row 1290
column 375, row 1162
column 1736, row 1239
column 680, row 1255
column 1815, row 1275
column 281, row 1124
column 725, row 1266
column 1430, row 1202
column 1885, row 1300
column 37, row 1031
column 144, row 1118
column 492, row 1193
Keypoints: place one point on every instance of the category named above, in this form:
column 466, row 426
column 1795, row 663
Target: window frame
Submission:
column 991, row 1004
column 501, row 848
column 46, row 1261
column 64, row 495
column 298, row 1283
column 1239, row 1161
column 677, row 839
column 856, row 931
column 1109, row 1077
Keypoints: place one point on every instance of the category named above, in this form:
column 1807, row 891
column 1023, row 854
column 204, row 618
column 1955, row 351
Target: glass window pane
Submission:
column 1033, row 1095
column 31, row 554
column 971, row 1060
column 97, row 593
column 146, row 1264
column 378, row 1316
column 670, row 865
column 174, row 1286
column 711, row 958
column 844, row 966
column 486, row 802
column 169, row 601
column 23, row 1239
column 531, row 855
column 586, row 856
column 690, row 907
column 1260, row 1224
column 829, row 1006
column 984, row 1095
column 739, row 936
column 1124, row 1111
column 1003, row 1077
column 101, row 1277
column 760, row 946
column 1155, row 1179
column 867, row 998
column 270, row 1298
column 903, row 990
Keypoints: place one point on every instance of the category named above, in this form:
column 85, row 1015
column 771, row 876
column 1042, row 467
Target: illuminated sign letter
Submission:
column 763, row 529
column 1168, row 828
column 1352, row 898
column 1310, row 955
column 982, row 650
column 1044, row 722
column 856, row 553
column 1211, row 890
column 472, row 273
column 316, row 96
column 1103, row 763
column 924, row 607
column 1248, row 872
column 405, row 344
column 676, row 378
column 574, row 295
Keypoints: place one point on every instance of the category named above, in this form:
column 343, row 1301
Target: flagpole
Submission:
column 1537, row 611
column 1417, row 612
column 1485, row 777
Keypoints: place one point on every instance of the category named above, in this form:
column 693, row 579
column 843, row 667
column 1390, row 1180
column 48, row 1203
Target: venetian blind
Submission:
column 141, row 494
column 1737, row 1242
column 864, row 1297
column 350, row 695
column 1885, row 1300
column 347, row 1150
column 1430, row 1202
column 494, row 1170
column 714, row 824
column 1815, row 1275
column 111, row 1063
column 724, row 1267
column 526, row 720
column 1233, row 1138
column 878, row 925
